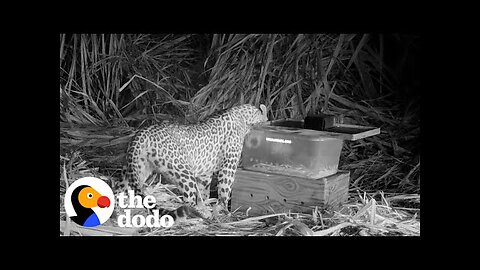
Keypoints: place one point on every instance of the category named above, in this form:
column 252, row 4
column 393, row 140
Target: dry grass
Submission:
column 362, row 215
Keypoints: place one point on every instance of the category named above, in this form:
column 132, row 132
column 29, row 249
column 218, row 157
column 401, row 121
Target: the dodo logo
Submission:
column 89, row 201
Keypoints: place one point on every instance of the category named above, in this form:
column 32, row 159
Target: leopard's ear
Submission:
column 263, row 108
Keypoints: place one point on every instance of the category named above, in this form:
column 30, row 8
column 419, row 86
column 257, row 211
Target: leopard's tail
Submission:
column 136, row 171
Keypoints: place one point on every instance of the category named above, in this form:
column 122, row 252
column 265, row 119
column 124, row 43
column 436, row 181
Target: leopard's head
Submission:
column 257, row 116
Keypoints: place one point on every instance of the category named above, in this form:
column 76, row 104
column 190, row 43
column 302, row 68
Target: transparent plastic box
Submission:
column 284, row 147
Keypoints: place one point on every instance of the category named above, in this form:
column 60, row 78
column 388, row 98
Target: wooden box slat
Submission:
column 340, row 131
column 353, row 132
column 266, row 193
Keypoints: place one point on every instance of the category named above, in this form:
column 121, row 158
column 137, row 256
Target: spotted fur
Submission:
column 188, row 155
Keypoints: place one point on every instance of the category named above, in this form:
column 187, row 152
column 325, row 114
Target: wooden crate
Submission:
column 274, row 193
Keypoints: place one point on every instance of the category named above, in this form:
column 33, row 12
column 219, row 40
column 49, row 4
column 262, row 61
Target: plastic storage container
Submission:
column 283, row 147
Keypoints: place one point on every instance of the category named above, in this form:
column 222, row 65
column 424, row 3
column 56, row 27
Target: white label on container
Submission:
column 277, row 140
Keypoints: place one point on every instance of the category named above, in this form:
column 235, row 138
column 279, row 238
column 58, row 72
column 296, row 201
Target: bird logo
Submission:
column 89, row 202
